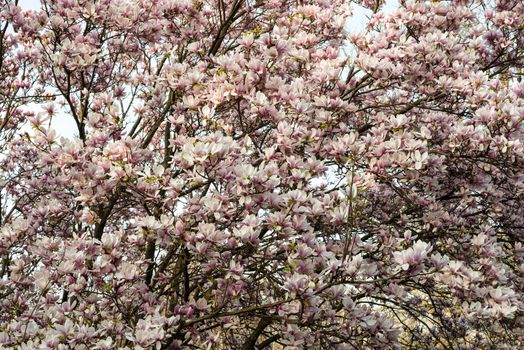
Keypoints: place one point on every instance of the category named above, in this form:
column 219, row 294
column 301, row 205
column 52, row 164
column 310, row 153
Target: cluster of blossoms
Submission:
column 236, row 181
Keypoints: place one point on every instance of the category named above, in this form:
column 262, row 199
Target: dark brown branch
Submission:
column 222, row 31
column 99, row 227
column 150, row 255
column 268, row 342
column 158, row 122
column 251, row 341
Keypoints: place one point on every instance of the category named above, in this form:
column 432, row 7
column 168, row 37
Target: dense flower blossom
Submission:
column 249, row 175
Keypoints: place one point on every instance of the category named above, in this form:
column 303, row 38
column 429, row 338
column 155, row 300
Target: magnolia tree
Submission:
column 245, row 174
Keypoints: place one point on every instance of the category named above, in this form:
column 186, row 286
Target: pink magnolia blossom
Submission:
column 257, row 174
column 413, row 256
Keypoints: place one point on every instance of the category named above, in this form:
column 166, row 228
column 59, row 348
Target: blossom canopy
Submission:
column 250, row 174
